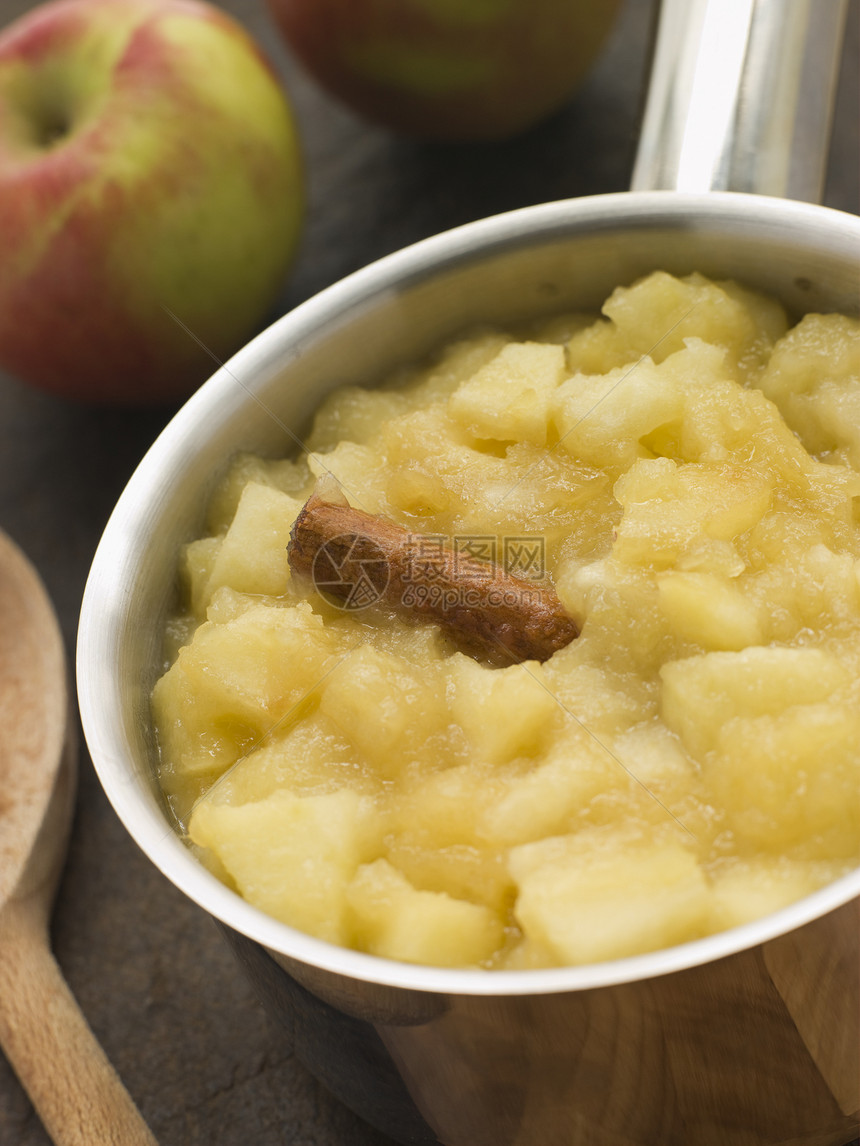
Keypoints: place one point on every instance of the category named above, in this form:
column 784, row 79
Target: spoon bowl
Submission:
column 33, row 719
column 75, row 1090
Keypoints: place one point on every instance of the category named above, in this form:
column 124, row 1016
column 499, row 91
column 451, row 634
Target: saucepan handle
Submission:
column 741, row 97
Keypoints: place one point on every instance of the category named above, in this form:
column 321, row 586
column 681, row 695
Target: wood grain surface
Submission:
column 150, row 970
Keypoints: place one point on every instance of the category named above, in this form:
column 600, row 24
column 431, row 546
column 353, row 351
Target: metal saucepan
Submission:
column 745, row 1038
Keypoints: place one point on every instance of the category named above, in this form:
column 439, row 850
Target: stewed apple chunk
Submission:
column 791, row 779
column 231, row 685
column 744, row 890
column 668, row 508
column 292, row 856
column 656, row 315
column 503, row 714
column 707, row 609
column 391, row 918
column 813, row 375
column 251, row 557
column 510, row 398
column 604, row 895
column 701, row 693
column 404, row 706
column 606, row 419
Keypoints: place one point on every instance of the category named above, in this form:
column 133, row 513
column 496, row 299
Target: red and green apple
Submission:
column 448, row 69
column 151, row 195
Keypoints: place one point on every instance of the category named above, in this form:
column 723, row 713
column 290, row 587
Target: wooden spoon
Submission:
column 75, row 1090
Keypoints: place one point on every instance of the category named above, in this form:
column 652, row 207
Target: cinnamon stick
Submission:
column 357, row 559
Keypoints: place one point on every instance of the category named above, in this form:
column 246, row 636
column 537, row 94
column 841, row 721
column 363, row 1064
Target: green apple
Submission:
column 448, row 69
column 151, row 195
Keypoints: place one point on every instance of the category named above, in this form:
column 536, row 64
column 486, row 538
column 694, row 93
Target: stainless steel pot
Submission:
column 745, row 1038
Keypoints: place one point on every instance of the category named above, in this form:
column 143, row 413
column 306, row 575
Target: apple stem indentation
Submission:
column 51, row 126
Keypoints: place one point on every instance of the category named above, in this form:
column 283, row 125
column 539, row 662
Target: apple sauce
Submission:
column 682, row 473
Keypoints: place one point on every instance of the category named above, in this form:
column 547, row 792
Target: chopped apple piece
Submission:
column 655, row 758
column 353, row 414
column 356, row 470
column 392, row 919
column 226, row 604
column 291, row 856
column 709, row 610
column 509, row 398
column 380, row 704
column 286, row 474
column 311, row 758
column 792, row 776
column 464, row 871
column 444, row 808
column 603, row 418
column 669, row 508
column 658, row 313
column 457, row 362
column 233, row 684
column 544, row 800
column 504, row 712
column 589, row 898
column 253, row 555
column 812, row 376
column 700, row 694
column 745, row 890
column 260, row 665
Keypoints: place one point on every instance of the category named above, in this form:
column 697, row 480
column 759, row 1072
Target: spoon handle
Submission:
column 75, row 1090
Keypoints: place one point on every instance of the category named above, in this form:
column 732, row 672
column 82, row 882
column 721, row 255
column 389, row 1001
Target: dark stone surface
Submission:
column 158, row 984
